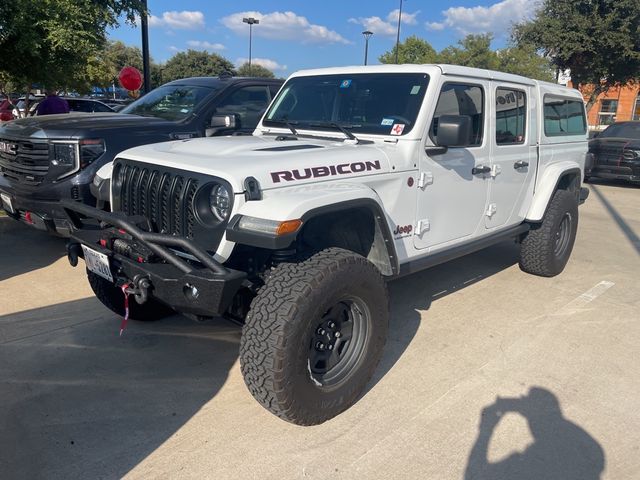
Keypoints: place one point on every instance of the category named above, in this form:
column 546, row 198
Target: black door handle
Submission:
column 520, row 164
column 480, row 169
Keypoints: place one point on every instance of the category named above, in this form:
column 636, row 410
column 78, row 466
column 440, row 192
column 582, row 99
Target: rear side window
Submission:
column 563, row 117
column 461, row 99
column 511, row 114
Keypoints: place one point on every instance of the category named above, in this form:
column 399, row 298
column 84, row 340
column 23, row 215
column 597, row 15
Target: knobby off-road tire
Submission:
column 113, row 298
column 301, row 306
column 547, row 247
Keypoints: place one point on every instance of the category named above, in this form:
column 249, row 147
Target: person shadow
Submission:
column 561, row 449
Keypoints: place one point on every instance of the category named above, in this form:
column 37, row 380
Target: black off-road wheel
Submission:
column 113, row 298
column 547, row 247
column 314, row 336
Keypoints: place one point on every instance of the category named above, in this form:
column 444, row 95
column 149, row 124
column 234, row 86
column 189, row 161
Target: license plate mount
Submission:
column 97, row 263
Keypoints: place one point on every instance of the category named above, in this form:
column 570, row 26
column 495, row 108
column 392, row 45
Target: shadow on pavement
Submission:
column 619, row 219
column 561, row 449
column 414, row 293
column 23, row 248
column 81, row 402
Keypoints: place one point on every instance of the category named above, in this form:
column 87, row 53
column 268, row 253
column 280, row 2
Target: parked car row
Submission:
column 615, row 153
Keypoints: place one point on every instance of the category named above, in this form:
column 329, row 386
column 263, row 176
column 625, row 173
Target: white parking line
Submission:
column 587, row 297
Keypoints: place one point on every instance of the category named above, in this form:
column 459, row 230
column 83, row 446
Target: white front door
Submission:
column 452, row 193
column 513, row 152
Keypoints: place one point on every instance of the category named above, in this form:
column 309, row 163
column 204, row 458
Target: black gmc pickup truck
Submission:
column 46, row 159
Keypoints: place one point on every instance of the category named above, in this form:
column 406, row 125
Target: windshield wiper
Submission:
column 290, row 125
column 342, row 128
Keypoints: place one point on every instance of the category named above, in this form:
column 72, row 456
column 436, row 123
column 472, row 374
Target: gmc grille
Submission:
column 164, row 198
column 25, row 162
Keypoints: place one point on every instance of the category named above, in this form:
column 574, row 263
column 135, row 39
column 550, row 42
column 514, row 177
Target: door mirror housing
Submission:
column 454, row 131
column 223, row 121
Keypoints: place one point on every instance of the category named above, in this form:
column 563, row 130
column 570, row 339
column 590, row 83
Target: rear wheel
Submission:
column 547, row 247
column 113, row 298
column 314, row 336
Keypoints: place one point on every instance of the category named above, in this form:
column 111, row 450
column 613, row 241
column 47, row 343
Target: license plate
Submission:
column 6, row 203
column 97, row 263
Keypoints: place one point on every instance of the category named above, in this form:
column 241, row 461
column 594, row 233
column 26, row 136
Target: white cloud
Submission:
column 175, row 49
column 497, row 18
column 203, row 45
column 435, row 26
column 386, row 27
column 263, row 62
column 185, row 20
column 283, row 26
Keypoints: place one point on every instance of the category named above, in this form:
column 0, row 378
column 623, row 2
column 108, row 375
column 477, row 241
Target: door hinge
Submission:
column 491, row 210
column 423, row 226
column 495, row 170
column 426, row 178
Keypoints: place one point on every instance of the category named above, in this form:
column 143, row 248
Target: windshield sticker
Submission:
column 397, row 129
column 415, row 90
column 387, row 121
column 345, row 84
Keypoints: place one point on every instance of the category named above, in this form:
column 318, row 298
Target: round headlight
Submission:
column 220, row 201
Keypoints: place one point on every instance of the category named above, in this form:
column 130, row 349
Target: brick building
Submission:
column 617, row 105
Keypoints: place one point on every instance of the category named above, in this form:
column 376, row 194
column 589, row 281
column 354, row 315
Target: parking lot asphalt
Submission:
column 488, row 373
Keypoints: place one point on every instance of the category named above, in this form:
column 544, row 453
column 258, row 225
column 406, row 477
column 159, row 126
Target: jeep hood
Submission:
column 70, row 125
column 274, row 163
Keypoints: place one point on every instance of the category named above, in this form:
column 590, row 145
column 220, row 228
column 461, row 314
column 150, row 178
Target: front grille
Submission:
column 29, row 164
column 164, row 198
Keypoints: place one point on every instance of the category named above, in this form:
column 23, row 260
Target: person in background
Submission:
column 6, row 108
column 52, row 104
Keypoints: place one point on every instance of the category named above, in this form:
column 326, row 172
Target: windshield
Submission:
column 622, row 130
column 171, row 102
column 379, row 103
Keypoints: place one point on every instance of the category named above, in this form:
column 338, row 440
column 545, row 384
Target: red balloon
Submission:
column 130, row 78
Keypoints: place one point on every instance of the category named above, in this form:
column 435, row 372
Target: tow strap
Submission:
column 123, row 324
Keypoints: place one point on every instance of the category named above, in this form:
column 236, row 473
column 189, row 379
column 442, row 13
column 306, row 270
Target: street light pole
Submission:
column 251, row 21
column 398, row 36
column 146, row 69
column 367, row 34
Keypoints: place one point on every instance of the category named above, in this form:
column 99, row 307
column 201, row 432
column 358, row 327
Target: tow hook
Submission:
column 139, row 288
column 73, row 253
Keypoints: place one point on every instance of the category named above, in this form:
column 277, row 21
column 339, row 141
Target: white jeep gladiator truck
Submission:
column 354, row 176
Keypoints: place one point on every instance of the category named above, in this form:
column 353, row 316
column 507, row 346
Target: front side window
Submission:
column 607, row 113
column 511, row 112
column 248, row 103
column 171, row 102
column 381, row 103
column 563, row 117
column 461, row 99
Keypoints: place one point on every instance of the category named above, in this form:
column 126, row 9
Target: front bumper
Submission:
column 45, row 214
column 149, row 266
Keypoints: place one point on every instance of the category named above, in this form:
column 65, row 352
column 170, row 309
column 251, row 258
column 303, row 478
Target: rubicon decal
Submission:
column 325, row 171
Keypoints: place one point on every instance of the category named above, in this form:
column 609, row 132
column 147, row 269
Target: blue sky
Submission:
column 293, row 35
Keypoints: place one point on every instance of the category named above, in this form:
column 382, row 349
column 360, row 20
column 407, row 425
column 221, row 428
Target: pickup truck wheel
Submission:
column 314, row 336
column 546, row 248
column 113, row 298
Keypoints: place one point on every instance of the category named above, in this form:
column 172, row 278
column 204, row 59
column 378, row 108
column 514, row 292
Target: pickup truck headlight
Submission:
column 90, row 150
column 64, row 155
column 220, row 201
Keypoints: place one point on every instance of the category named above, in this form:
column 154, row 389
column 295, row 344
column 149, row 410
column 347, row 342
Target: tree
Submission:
column 598, row 40
column 472, row 51
column 53, row 42
column 525, row 61
column 412, row 50
column 254, row 71
column 195, row 63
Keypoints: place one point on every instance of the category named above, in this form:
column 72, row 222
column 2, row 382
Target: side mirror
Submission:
column 454, row 131
column 223, row 121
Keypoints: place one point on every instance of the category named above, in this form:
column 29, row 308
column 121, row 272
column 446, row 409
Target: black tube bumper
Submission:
column 203, row 287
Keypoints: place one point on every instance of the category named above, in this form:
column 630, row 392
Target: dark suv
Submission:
column 46, row 159
column 615, row 153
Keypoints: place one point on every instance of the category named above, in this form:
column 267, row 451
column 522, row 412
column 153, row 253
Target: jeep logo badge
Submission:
column 10, row 148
